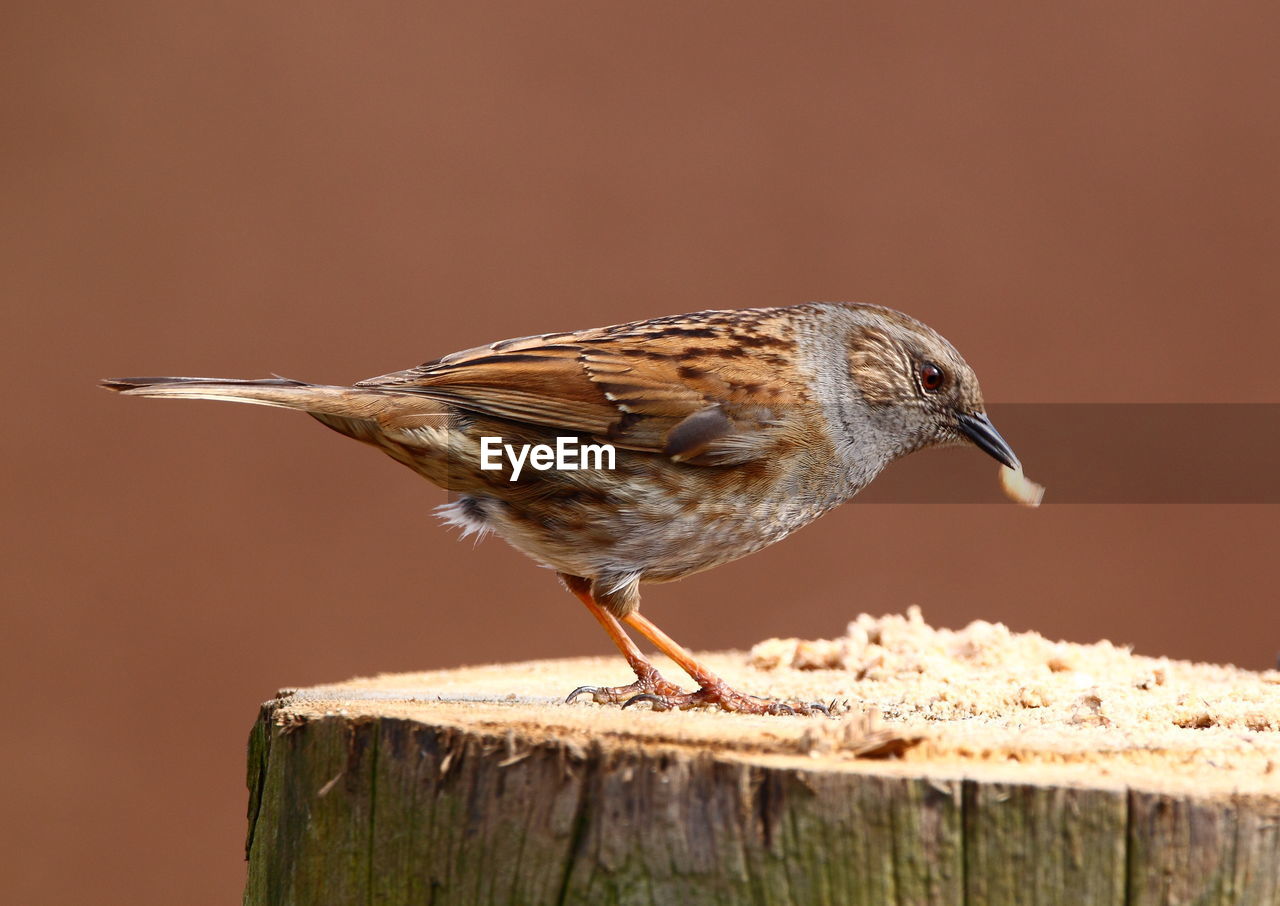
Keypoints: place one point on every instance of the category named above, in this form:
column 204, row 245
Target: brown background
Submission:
column 1083, row 197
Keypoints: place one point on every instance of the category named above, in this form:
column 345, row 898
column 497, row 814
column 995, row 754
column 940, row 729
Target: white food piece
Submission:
column 1019, row 487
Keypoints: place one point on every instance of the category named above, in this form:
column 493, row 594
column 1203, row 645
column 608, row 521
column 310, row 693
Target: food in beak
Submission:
column 1019, row 488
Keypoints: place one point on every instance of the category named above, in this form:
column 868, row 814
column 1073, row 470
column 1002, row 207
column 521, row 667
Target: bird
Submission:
column 725, row 431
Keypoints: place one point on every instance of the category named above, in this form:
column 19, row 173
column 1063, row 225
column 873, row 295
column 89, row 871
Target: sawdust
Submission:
column 981, row 701
column 1024, row 681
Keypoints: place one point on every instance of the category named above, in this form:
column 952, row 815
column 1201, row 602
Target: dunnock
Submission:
column 729, row 430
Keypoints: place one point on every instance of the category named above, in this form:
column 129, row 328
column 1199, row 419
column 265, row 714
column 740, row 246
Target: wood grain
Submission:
column 431, row 788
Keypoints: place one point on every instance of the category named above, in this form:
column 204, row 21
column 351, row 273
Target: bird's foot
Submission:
column 648, row 682
column 717, row 694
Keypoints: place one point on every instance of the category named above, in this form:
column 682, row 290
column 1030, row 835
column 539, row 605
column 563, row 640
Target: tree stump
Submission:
column 480, row 786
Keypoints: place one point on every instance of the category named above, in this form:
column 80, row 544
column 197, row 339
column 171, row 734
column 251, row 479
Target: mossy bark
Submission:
column 391, row 810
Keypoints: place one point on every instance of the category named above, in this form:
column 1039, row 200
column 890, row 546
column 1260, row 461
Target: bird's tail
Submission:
column 359, row 412
column 275, row 391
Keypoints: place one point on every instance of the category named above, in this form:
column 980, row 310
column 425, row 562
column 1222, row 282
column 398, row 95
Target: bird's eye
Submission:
column 932, row 377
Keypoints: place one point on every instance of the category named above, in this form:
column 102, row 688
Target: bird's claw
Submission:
column 661, row 695
column 651, row 684
column 659, row 702
column 726, row 699
column 582, row 690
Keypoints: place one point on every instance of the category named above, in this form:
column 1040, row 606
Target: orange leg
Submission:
column 711, row 689
column 648, row 680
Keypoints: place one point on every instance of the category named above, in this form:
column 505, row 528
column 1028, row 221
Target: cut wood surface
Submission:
column 1007, row 769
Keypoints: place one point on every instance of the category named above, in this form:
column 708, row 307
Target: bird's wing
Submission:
column 708, row 389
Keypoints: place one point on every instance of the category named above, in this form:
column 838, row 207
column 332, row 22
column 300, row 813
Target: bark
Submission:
column 371, row 795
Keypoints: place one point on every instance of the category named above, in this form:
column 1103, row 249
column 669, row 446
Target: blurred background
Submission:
column 1083, row 197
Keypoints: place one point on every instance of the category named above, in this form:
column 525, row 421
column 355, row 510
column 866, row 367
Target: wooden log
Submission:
column 445, row 788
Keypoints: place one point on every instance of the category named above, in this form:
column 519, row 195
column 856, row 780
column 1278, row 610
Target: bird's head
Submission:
column 917, row 388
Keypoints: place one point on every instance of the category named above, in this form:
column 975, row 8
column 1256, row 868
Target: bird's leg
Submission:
column 712, row 690
column 648, row 680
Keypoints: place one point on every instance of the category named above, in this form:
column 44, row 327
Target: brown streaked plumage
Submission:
column 731, row 428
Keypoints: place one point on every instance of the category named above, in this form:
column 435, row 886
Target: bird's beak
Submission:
column 978, row 428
